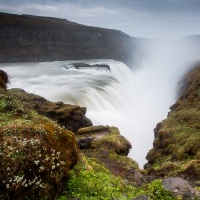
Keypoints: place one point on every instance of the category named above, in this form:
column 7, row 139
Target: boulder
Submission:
column 181, row 188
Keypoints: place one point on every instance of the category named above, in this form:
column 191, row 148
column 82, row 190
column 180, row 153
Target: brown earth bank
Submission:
column 26, row 38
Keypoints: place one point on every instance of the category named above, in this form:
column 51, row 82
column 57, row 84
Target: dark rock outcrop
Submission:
column 102, row 67
column 3, row 79
column 25, row 38
column 85, row 143
column 71, row 117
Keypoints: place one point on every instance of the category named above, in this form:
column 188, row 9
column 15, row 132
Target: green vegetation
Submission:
column 156, row 191
column 35, row 153
column 89, row 180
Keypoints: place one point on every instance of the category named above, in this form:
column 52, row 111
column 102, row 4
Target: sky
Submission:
column 138, row 18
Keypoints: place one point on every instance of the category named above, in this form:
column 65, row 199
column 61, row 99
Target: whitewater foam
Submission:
column 132, row 101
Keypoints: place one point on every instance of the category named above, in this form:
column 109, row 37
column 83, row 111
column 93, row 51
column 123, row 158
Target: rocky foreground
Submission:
column 52, row 151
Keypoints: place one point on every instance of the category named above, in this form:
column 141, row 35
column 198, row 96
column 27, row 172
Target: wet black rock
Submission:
column 85, row 143
column 98, row 67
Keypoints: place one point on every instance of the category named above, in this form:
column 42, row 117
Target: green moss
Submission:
column 89, row 180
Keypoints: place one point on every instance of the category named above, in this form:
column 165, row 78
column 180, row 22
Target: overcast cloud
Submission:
column 139, row 18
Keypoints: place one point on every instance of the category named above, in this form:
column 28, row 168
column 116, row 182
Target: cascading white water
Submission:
column 133, row 101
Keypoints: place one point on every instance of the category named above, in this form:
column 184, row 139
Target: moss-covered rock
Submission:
column 111, row 149
column 176, row 148
column 71, row 117
column 36, row 154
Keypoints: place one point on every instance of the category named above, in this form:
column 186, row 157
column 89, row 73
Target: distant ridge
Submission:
column 28, row 38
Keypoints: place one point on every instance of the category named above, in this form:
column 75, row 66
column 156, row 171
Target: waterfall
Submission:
column 133, row 101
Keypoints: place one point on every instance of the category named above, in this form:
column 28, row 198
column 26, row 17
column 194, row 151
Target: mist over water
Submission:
column 132, row 100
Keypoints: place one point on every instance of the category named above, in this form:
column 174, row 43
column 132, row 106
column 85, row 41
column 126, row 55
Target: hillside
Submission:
column 26, row 38
column 176, row 147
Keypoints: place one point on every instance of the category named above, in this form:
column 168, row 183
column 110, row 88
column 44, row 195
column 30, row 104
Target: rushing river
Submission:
column 134, row 101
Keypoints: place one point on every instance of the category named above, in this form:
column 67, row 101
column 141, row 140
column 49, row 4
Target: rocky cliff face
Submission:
column 26, row 38
column 176, row 148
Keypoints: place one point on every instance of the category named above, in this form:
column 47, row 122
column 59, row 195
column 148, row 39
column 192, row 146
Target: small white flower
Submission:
column 53, row 167
column 7, row 186
column 62, row 162
column 47, row 158
column 8, row 168
column 42, row 168
column 41, row 185
column 36, row 162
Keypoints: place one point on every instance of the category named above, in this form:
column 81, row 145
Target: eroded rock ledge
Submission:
column 71, row 117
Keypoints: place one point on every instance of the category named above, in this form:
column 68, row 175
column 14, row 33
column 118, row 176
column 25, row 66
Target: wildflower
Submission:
column 7, row 186
column 41, row 168
column 8, row 168
column 36, row 162
column 47, row 158
column 62, row 162
column 53, row 167
column 42, row 186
